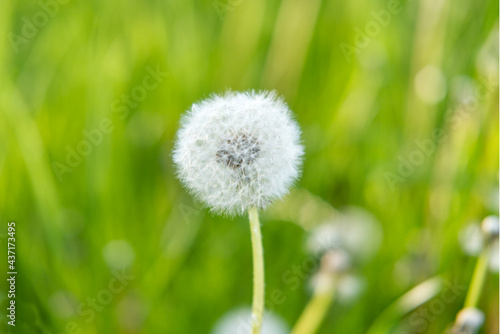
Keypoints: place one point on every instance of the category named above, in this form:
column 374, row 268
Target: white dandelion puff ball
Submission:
column 238, row 150
column 239, row 321
column 349, row 288
column 490, row 226
column 469, row 320
column 354, row 229
column 471, row 239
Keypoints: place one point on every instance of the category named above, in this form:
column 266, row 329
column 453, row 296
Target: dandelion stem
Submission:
column 478, row 278
column 258, row 271
column 315, row 311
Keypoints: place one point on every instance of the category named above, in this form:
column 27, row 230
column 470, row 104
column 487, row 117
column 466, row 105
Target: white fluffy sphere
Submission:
column 469, row 320
column 239, row 321
column 355, row 230
column 490, row 226
column 471, row 239
column 238, row 150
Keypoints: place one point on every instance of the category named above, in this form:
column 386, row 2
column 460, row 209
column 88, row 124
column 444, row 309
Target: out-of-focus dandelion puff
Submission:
column 131, row 313
column 355, row 230
column 430, row 84
column 324, row 237
column 238, row 150
column 239, row 321
column 490, row 226
column 118, row 254
column 474, row 237
column 334, row 264
column 471, row 239
column 469, row 320
column 363, row 234
column 63, row 304
column 321, row 282
column 335, row 261
column 349, row 288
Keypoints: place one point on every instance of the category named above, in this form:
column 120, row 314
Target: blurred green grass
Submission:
column 357, row 117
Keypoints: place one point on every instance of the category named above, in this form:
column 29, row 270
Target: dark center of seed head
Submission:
column 238, row 151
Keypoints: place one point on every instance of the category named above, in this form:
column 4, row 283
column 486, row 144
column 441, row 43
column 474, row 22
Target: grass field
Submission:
column 398, row 104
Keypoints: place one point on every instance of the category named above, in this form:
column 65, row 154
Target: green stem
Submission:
column 315, row 311
column 408, row 302
column 478, row 278
column 258, row 271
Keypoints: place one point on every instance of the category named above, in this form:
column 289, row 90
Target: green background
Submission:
column 362, row 112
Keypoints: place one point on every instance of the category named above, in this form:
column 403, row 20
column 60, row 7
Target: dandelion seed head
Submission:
column 470, row 239
column 490, row 226
column 238, row 150
column 469, row 320
column 349, row 288
column 334, row 264
column 335, row 261
column 355, row 230
column 239, row 321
